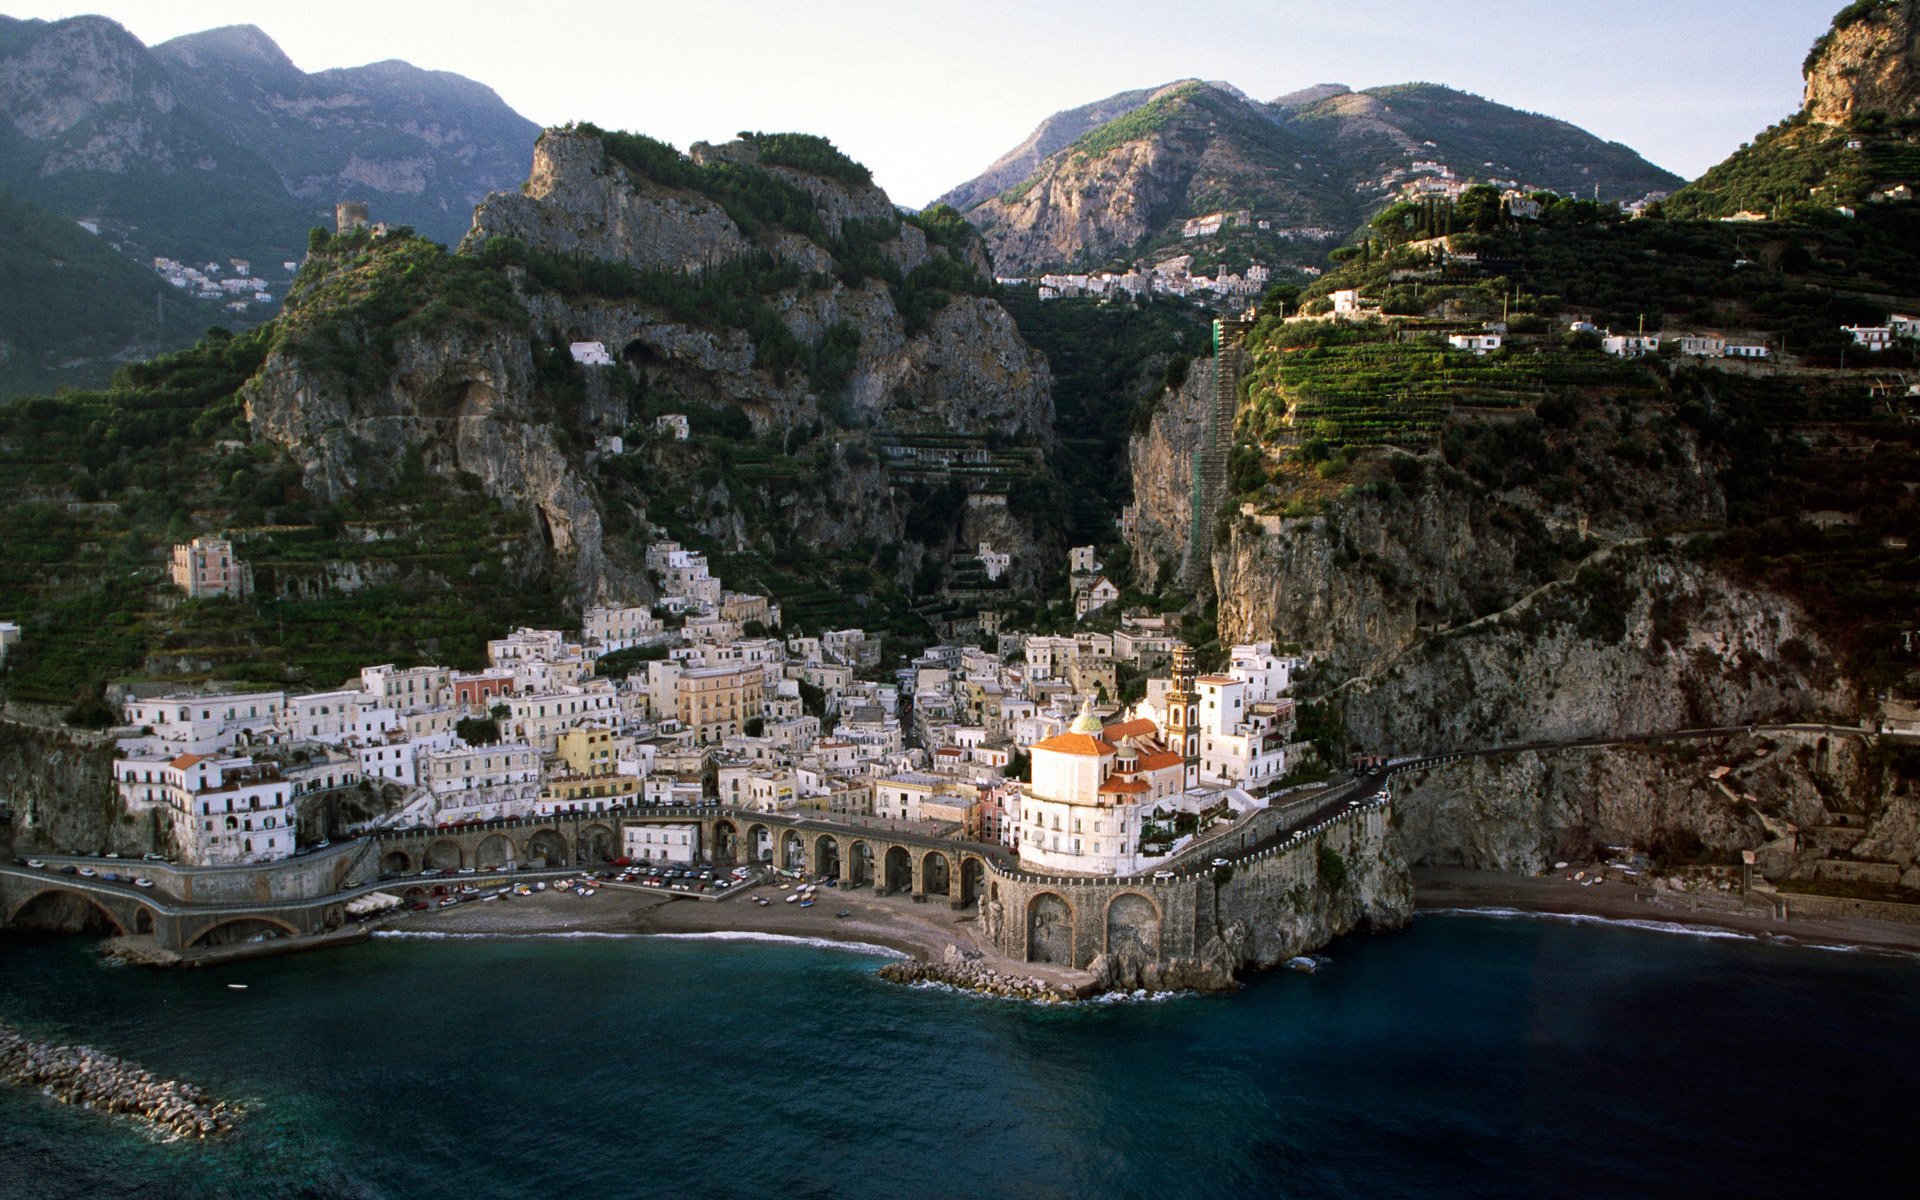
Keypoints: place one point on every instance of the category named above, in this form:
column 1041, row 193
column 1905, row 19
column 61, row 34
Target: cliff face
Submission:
column 1798, row 799
column 1869, row 64
column 460, row 401
column 61, row 786
column 1161, row 460
column 576, row 202
column 958, row 367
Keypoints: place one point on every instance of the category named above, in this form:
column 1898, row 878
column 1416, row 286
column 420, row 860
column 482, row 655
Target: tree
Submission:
column 478, row 731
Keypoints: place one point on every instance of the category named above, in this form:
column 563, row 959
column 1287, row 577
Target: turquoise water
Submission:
column 1467, row 1056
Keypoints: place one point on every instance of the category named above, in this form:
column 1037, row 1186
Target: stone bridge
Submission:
column 889, row 861
column 190, row 909
column 557, row 842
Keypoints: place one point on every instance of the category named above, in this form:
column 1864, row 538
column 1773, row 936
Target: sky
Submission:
column 928, row 95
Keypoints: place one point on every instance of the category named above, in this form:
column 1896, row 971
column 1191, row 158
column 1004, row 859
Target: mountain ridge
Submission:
column 1312, row 164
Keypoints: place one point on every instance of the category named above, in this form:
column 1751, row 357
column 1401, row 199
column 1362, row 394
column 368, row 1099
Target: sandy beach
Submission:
column 1443, row 888
column 921, row 931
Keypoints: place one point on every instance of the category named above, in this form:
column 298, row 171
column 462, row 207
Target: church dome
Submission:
column 1086, row 722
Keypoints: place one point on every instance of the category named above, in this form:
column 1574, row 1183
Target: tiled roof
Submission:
column 1075, row 743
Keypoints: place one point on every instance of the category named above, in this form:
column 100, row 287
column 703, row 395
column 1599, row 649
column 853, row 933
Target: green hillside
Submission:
column 74, row 309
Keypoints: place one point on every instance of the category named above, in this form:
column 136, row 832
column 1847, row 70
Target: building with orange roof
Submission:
column 1095, row 788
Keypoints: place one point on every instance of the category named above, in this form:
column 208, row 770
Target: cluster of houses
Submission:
column 1169, row 277
column 711, row 706
column 1900, row 327
column 1693, row 345
column 235, row 283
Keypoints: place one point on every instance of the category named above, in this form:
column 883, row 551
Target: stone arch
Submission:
column 899, row 869
column 860, row 859
column 936, row 874
column 793, row 851
column 826, row 855
column 446, row 855
column 1049, row 929
column 759, row 844
column 396, row 862
column 547, row 848
column 63, row 910
column 597, row 844
column 495, row 851
column 972, row 871
column 726, row 843
column 1133, row 927
column 240, row 929
column 143, row 920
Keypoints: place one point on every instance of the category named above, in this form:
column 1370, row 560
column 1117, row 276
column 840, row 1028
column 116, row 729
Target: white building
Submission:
column 203, row 724
column 1091, row 799
column 1871, row 338
column 481, row 782
column 661, row 843
column 214, row 811
column 1480, row 344
column 622, row 628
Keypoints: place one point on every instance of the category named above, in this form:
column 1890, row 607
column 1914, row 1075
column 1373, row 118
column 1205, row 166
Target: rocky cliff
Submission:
column 61, row 788
column 1850, row 142
column 1810, row 804
column 1869, row 62
column 457, row 402
column 918, row 349
column 1161, row 459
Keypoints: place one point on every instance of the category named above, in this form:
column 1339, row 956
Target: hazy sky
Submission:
column 929, row 94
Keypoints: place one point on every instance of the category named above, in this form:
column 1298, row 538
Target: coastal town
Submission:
column 695, row 699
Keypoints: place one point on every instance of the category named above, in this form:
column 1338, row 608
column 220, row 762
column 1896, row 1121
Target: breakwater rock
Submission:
column 972, row 975
column 84, row 1076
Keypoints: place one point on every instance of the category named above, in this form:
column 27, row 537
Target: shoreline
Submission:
column 1445, row 889
column 929, row 933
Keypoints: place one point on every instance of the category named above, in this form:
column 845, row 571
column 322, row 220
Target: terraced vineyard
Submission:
column 1403, row 393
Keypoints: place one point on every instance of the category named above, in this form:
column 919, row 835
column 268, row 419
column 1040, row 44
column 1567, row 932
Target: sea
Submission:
column 1468, row 1055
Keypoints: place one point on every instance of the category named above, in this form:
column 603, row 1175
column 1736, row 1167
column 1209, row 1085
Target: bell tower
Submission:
column 1183, row 714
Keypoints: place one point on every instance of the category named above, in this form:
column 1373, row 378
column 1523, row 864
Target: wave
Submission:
column 723, row 935
column 742, row 935
column 1102, row 1000
column 1670, row 927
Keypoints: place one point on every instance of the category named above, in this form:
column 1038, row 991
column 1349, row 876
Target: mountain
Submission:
column 1292, row 175
column 423, row 147
column 95, row 127
column 1545, row 543
column 213, row 147
column 1855, row 140
column 411, row 457
column 75, row 309
column 1053, row 134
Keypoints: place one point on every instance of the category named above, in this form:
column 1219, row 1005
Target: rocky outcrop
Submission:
column 956, row 970
column 459, row 397
column 84, row 1076
column 1162, row 463
column 575, row 201
column 61, row 786
column 960, row 367
column 1871, row 63
column 1796, row 798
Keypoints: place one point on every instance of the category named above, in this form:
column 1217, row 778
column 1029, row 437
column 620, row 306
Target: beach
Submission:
column 1448, row 889
column 921, row 931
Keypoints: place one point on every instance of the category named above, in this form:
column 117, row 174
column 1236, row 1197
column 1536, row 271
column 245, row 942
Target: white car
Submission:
column 1162, row 876
column 1221, row 862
